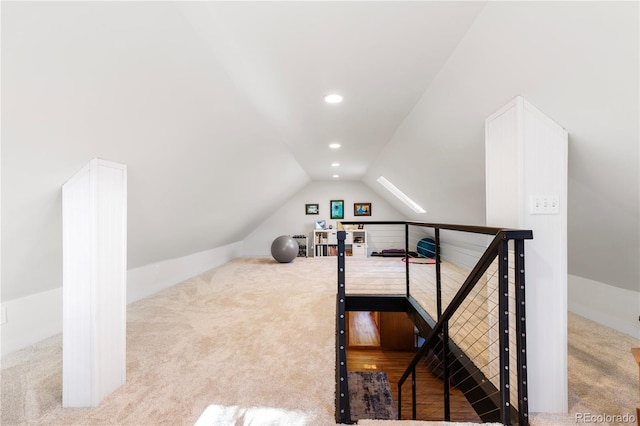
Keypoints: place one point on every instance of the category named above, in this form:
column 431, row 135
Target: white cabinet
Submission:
column 325, row 243
column 359, row 250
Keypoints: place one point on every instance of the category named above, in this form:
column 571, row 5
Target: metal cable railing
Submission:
column 465, row 287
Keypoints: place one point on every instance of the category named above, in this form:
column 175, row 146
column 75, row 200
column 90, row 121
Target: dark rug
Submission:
column 370, row 396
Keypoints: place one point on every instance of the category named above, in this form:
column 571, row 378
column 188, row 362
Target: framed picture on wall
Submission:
column 337, row 209
column 311, row 208
column 362, row 209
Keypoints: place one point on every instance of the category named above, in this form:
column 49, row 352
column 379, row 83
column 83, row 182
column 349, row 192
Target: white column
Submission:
column 526, row 188
column 94, row 214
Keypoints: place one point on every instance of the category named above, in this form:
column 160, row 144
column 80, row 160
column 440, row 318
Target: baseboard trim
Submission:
column 614, row 307
column 31, row 319
column 24, row 327
column 149, row 279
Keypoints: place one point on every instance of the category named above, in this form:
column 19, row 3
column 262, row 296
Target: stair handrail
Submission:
column 497, row 247
column 480, row 268
column 490, row 254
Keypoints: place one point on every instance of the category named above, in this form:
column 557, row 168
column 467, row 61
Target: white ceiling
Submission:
column 285, row 56
column 217, row 110
column 215, row 107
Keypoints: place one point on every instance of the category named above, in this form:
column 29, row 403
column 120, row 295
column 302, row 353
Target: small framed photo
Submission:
column 337, row 209
column 311, row 208
column 321, row 224
column 362, row 209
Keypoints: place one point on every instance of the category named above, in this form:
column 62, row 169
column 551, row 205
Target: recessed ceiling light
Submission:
column 333, row 98
column 335, row 164
column 334, row 145
column 336, row 176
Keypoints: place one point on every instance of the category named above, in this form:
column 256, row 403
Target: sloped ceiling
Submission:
column 215, row 107
column 284, row 56
column 579, row 62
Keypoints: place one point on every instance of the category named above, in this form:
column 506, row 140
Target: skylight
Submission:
column 401, row 195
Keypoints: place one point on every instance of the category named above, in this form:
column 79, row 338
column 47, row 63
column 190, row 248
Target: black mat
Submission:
column 394, row 253
column 370, row 396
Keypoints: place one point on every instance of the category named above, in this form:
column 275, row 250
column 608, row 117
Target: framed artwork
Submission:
column 362, row 209
column 311, row 208
column 337, row 209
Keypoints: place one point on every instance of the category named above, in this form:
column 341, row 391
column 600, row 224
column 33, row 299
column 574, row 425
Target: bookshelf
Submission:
column 325, row 243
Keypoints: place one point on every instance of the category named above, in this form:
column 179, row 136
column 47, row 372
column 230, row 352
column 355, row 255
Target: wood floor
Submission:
column 430, row 389
column 363, row 331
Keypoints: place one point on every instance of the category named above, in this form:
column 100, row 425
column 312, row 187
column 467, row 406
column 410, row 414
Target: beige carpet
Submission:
column 250, row 335
column 252, row 342
column 603, row 375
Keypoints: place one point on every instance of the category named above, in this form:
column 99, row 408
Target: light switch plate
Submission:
column 544, row 204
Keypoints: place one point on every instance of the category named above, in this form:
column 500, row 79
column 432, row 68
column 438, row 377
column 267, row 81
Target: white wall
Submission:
column 23, row 328
column 94, row 289
column 526, row 156
column 615, row 307
column 136, row 84
column 290, row 218
column 582, row 70
column 149, row 279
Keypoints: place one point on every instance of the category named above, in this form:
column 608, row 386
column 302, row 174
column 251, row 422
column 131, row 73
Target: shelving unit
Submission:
column 325, row 243
column 303, row 244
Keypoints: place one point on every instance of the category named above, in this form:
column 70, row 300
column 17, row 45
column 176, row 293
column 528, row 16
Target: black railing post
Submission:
column 406, row 256
column 399, row 402
column 438, row 274
column 413, row 394
column 503, row 308
column 521, row 329
column 342, row 387
column 494, row 409
column 445, row 358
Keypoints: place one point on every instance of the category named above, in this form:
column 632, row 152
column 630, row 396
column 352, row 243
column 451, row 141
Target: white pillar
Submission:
column 526, row 188
column 94, row 214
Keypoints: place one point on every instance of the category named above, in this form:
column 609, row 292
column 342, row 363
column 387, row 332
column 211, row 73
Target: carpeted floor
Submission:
column 603, row 375
column 248, row 336
column 252, row 342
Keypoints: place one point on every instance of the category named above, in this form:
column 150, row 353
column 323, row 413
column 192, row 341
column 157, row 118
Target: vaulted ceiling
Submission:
column 283, row 57
column 217, row 109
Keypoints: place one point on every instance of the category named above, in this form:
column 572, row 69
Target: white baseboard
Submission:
column 31, row 319
column 149, row 279
column 36, row 317
column 614, row 307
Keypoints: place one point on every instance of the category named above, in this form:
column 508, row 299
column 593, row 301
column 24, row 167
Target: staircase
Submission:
column 493, row 382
